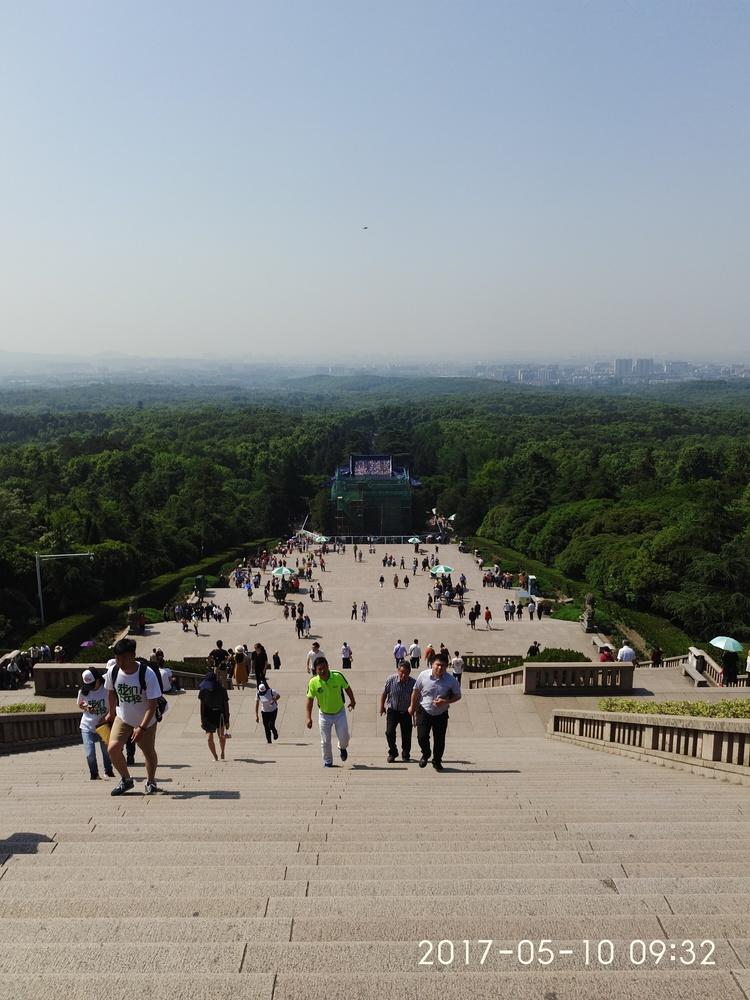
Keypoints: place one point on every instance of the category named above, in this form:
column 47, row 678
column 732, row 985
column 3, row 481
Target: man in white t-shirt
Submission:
column 457, row 667
column 415, row 654
column 346, row 656
column 133, row 692
column 167, row 678
column 626, row 653
column 312, row 656
column 267, row 701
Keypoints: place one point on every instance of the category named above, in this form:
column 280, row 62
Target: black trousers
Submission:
column 437, row 725
column 393, row 720
column 269, row 723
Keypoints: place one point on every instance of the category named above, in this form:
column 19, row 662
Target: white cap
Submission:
column 262, row 689
column 88, row 677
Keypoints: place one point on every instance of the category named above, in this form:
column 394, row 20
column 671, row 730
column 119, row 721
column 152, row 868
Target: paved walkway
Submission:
column 393, row 614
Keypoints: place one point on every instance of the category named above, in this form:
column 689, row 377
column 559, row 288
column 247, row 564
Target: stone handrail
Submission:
column 717, row 744
column 490, row 661
column 19, row 729
column 503, row 678
column 578, row 678
column 667, row 661
column 188, row 681
column 59, row 678
column 705, row 664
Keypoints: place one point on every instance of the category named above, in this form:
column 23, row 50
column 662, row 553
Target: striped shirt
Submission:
column 398, row 693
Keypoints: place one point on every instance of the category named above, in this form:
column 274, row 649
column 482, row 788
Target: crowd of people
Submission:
column 120, row 707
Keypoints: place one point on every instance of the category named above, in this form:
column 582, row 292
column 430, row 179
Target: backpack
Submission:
column 143, row 666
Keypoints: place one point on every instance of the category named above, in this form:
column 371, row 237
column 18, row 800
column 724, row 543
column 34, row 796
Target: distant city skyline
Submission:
column 331, row 180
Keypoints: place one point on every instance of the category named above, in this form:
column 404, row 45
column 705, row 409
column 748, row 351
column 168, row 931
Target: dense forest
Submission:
column 646, row 501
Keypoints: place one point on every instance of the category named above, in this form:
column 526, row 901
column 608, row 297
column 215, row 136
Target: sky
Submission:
column 329, row 180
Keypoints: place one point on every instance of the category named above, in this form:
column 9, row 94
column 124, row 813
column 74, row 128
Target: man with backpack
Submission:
column 135, row 699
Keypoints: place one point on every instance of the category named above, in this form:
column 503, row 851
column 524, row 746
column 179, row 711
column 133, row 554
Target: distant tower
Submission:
column 643, row 367
column 623, row 367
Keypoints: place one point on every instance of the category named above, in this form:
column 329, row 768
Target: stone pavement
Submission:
column 267, row 876
column 393, row 614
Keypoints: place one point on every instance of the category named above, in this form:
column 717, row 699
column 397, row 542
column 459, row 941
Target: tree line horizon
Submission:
column 645, row 501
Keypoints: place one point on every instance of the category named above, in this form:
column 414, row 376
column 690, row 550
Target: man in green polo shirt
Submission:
column 328, row 686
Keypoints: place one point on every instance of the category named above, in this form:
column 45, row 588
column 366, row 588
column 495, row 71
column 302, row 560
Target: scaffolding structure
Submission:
column 372, row 497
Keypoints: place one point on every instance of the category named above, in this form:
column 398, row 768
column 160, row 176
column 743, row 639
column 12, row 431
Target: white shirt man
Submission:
column 346, row 656
column 399, row 651
column 312, row 656
column 415, row 654
column 626, row 653
column 457, row 666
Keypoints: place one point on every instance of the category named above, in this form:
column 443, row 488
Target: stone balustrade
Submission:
column 20, row 729
column 63, row 679
column 701, row 662
column 480, row 662
column 578, row 678
column 563, row 678
column 716, row 744
column 667, row 661
column 502, row 678
column 188, row 681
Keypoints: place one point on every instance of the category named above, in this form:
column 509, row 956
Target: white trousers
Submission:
column 327, row 723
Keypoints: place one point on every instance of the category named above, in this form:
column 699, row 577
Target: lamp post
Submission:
column 56, row 555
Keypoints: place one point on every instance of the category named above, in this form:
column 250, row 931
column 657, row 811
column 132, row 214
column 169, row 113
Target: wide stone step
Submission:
column 85, row 930
column 375, row 957
column 588, row 985
column 225, row 874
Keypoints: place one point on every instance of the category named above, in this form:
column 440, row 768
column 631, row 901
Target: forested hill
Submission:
column 647, row 501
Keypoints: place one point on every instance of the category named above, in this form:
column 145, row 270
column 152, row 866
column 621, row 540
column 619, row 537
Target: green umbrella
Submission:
column 282, row 571
column 724, row 642
column 414, row 540
column 321, row 538
column 441, row 570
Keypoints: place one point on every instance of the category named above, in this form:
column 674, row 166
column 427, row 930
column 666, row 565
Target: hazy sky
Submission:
column 536, row 177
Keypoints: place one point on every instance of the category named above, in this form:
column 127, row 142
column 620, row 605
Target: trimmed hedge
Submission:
column 556, row 655
column 609, row 617
column 84, row 625
column 23, row 706
column 728, row 708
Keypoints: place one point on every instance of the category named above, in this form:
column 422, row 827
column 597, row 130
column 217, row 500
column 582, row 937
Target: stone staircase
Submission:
column 266, row 876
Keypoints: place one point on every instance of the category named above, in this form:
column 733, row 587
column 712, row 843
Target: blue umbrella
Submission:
column 726, row 643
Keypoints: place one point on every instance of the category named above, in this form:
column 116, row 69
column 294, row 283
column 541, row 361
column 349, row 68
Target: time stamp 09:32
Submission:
column 594, row 953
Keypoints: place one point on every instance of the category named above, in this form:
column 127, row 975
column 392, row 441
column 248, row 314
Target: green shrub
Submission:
column 609, row 616
column 70, row 632
column 567, row 612
column 152, row 615
column 728, row 708
column 556, row 655
column 23, row 706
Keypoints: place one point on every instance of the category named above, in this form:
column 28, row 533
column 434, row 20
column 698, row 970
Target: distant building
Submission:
column 643, row 367
column 623, row 367
column 371, row 496
column 677, row 369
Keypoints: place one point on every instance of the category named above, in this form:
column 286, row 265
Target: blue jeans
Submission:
column 90, row 739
